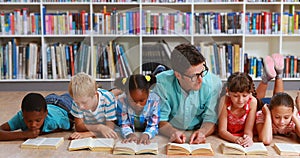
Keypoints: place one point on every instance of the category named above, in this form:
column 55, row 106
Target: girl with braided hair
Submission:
column 138, row 109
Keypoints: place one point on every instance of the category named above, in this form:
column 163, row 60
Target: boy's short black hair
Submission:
column 34, row 102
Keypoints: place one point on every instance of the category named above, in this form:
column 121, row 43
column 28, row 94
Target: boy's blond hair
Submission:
column 82, row 85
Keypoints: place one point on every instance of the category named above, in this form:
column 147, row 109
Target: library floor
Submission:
column 10, row 104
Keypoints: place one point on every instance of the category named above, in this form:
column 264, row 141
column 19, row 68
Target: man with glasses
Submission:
column 189, row 94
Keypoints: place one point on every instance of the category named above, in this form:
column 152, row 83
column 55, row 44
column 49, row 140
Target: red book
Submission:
column 72, row 60
column 12, row 23
column 82, row 18
column 155, row 23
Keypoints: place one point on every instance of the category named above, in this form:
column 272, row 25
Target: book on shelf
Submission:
column 93, row 144
column 135, row 149
column 189, row 149
column 42, row 143
column 286, row 149
column 257, row 148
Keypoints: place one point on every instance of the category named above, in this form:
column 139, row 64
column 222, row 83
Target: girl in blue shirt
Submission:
column 138, row 109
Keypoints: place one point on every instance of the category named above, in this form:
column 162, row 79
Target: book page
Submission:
column 103, row 142
column 80, row 143
column 150, row 147
column 52, row 141
column 184, row 146
column 34, row 141
column 234, row 146
column 287, row 148
column 200, row 146
column 129, row 145
column 256, row 148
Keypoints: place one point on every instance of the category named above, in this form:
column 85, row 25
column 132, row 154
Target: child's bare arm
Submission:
column 296, row 120
column 249, row 124
column 6, row 134
column 265, row 133
column 222, row 127
column 80, row 125
column 110, row 124
column 251, row 118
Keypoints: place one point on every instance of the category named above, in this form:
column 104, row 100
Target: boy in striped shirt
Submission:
column 94, row 108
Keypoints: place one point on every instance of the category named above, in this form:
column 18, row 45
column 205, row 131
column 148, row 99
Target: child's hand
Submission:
column 246, row 141
column 266, row 111
column 32, row 133
column 297, row 100
column 131, row 138
column 107, row 132
column 79, row 135
column 295, row 114
column 144, row 139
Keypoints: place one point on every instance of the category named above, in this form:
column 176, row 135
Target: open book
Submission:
column 287, row 149
column 42, row 143
column 189, row 149
column 236, row 149
column 93, row 144
column 135, row 149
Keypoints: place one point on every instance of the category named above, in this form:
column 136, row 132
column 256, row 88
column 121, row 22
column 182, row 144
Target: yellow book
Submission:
column 42, row 143
column 93, row 144
column 236, row 149
column 189, row 149
column 286, row 149
column 135, row 149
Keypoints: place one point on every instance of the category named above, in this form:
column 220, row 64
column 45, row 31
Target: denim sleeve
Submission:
column 153, row 120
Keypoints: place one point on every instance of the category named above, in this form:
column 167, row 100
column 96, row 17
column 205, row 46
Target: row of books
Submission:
column 218, row 23
column 225, row 59
column 20, row 61
column 263, row 23
column 20, row 22
column 110, row 146
column 111, row 60
column 61, row 23
column 61, row 61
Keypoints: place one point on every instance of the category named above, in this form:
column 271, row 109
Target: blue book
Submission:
column 259, row 68
column 216, row 56
column 44, row 19
column 123, row 55
column 229, row 59
column 14, row 59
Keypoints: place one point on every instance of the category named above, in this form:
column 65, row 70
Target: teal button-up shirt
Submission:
column 187, row 111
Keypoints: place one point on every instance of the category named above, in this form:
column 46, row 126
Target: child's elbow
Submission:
column 266, row 141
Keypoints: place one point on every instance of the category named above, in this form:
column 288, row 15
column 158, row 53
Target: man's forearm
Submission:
column 166, row 129
column 207, row 128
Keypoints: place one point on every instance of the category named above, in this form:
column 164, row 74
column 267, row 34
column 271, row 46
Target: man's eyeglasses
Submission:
column 201, row 74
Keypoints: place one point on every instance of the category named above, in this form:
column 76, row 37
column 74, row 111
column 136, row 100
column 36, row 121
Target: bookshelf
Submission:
column 254, row 44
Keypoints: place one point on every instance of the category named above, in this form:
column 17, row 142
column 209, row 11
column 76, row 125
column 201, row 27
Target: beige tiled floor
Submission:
column 10, row 104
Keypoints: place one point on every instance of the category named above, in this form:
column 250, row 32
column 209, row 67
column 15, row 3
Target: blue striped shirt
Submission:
column 149, row 117
column 105, row 111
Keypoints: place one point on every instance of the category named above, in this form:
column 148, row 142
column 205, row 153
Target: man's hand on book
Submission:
column 177, row 137
column 144, row 139
column 131, row 138
column 197, row 137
